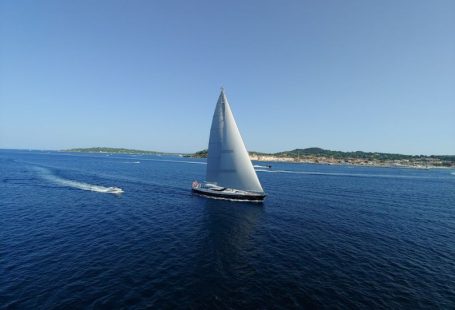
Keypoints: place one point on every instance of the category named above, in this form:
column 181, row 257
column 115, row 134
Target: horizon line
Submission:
column 165, row 152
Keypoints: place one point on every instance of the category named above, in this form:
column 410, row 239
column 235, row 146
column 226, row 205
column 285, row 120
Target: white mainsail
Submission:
column 228, row 162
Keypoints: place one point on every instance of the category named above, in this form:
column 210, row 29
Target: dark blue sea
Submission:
column 326, row 236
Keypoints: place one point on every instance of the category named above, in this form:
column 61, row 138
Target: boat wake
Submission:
column 259, row 166
column 181, row 161
column 48, row 176
column 168, row 160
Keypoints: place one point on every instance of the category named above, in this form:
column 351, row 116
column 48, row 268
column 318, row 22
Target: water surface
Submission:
column 327, row 236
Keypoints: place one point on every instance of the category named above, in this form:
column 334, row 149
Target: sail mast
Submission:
column 228, row 162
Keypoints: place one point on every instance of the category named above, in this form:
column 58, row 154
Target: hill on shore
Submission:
column 316, row 152
column 319, row 152
column 296, row 154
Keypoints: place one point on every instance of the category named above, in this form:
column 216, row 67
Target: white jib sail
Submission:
column 228, row 162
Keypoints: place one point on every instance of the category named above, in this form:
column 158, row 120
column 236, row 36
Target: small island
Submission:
column 112, row 150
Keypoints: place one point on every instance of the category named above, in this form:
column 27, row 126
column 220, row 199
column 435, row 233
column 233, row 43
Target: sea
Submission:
column 327, row 236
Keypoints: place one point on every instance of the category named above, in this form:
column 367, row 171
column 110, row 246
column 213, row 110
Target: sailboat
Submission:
column 230, row 173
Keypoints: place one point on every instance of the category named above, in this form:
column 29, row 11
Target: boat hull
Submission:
column 230, row 196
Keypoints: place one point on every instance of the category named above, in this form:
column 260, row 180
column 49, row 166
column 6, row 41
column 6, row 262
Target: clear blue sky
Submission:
column 342, row 75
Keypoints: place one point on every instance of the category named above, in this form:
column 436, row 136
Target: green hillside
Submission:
column 312, row 153
column 319, row 152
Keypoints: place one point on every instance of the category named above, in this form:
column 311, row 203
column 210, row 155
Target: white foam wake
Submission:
column 47, row 175
column 176, row 161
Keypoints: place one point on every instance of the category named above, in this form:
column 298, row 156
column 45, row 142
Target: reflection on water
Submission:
column 226, row 254
column 231, row 225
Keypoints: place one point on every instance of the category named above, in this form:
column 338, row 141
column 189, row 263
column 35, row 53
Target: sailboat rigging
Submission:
column 230, row 173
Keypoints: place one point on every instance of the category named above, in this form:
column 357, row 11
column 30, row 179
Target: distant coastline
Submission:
column 114, row 150
column 312, row 155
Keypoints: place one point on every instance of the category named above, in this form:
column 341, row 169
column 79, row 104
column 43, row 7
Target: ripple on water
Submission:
column 325, row 239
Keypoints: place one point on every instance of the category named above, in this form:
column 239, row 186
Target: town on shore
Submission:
column 314, row 155
column 312, row 159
